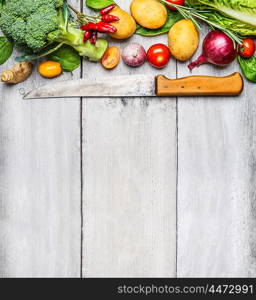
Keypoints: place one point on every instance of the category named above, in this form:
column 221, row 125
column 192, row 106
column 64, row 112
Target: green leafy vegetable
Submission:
column 237, row 26
column 236, row 15
column 67, row 57
column 243, row 10
column 34, row 25
column 2, row 3
column 6, row 48
column 248, row 67
column 30, row 22
column 44, row 53
column 173, row 17
column 66, row 13
column 98, row 4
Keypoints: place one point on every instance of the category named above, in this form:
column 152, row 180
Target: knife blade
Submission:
column 141, row 86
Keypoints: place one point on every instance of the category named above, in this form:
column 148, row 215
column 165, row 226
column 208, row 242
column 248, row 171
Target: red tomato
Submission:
column 158, row 55
column 247, row 49
column 177, row 2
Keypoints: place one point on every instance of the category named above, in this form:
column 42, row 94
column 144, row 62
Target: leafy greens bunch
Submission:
column 238, row 16
column 40, row 27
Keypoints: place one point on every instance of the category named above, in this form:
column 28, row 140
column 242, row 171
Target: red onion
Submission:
column 218, row 49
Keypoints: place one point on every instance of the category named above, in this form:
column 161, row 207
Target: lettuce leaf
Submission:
column 248, row 67
column 242, row 10
column 237, row 15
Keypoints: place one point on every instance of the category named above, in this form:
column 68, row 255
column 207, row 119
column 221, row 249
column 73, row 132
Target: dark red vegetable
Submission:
column 85, row 27
column 247, row 49
column 93, row 38
column 105, row 27
column 100, row 27
column 218, row 49
column 107, row 9
column 109, row 18
column 87, row 36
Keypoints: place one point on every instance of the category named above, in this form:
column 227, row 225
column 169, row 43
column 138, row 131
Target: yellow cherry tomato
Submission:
column 49, row 69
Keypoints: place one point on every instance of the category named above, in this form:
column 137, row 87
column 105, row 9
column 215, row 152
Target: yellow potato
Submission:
column 183, row 40
column 149, row 13
column 126, row 25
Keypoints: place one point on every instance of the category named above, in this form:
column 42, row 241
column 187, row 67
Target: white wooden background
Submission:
column 127, row 187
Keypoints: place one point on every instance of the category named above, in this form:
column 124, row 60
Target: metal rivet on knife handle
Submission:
column 231, row 85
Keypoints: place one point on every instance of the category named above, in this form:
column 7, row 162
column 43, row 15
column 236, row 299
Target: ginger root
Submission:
column 19, row 73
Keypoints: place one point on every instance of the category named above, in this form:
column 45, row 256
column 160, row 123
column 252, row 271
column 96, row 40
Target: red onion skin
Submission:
column 218, row 49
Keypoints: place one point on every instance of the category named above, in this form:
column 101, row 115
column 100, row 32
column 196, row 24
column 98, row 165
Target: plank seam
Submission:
column 177, row 174
column 81, row 193
column 81, row 167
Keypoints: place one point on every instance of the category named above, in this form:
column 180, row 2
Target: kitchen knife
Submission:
column 142, row 86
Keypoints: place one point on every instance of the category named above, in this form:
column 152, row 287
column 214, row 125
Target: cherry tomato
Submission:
column 247, row 49
column 111, row 57
column 177, row 2
column 49, row 69
column 158, row 55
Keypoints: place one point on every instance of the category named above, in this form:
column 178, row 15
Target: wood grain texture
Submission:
column 39, row 183
column 231, row 85
column 129, row 180
column 216, row 183
column 129, row 177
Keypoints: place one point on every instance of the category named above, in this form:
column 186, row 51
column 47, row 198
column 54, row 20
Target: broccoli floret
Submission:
column 24, row 8
column 29, row 22
column 46, row 21
column 34, row 24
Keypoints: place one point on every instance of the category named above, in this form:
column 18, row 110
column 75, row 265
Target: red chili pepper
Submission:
column 107, row 9
column 109, row 18
column 87, row 36
column 93, row 26
column 89, row 26
column 105, row 27
column 85, row 27
column 93, row 38
column 100, row 26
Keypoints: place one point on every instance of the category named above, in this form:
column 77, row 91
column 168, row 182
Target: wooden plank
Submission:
column 39, row 183
column 216, row 183
column 129, row 180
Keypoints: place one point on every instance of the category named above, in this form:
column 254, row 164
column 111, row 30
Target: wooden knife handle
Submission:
column 231, row 85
